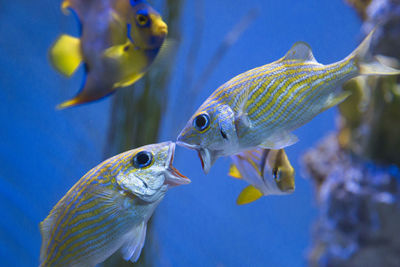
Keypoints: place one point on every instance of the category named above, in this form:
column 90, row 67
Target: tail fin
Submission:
column 366, row 63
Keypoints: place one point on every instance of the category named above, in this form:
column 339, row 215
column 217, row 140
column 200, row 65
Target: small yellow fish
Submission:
column 119, row 41
column 261, row 107
column 108, row 208
column 268, row 172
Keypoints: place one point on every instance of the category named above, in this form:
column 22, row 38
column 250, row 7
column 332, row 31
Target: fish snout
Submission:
column 161, row 28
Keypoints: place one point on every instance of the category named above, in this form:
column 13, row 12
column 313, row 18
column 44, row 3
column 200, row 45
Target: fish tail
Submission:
column 366, row 63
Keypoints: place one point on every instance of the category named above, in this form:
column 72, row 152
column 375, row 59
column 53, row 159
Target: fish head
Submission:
column 211, row 132
column 147, row 28
column 148, row 171
column 283, row 172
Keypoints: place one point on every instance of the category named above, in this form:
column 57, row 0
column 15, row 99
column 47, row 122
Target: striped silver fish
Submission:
column 261, row 107
column 108, row 208
column 268, row 172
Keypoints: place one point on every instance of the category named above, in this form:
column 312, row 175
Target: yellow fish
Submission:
column 119, row 41
column 268, row 172
column 108, row 208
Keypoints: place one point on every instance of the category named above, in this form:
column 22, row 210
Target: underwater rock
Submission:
column 358, row 209
column 355, row 171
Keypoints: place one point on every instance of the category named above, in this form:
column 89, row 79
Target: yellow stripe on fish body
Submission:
column 279, row 88
column 294, row 95
column 80, row 204
column 317, row 90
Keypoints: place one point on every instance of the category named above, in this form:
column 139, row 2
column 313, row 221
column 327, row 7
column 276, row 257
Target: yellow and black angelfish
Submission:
column 268, row 171
column 119, row 41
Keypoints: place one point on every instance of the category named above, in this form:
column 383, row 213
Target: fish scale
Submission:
column 87, row 179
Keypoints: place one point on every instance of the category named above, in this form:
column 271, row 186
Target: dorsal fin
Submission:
column 300, row 51
column 234, row 172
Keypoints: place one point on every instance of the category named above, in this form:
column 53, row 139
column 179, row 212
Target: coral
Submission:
column 359, row 213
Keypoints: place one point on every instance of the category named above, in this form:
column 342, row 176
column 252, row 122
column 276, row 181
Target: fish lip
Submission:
column 172, row 176
column 190, row 146
column 163, row 31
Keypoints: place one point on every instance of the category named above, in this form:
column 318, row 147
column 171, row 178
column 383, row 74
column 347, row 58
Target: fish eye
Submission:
column 142, row 20
column 142, row 159
column 276, row 172
column 201, row 122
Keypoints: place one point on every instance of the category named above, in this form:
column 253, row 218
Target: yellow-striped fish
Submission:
column 119, row 41
column 268, row 172
column 108, row 208
column 261, row 107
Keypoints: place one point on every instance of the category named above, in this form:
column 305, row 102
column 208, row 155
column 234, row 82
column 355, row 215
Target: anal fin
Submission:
column 65, row 54
column 248, row 195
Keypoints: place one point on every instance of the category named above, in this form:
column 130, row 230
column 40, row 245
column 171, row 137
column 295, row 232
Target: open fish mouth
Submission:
column 172, row 176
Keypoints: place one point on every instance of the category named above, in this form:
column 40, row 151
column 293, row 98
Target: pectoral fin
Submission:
column 280, row 140
column 133, row 247
column 234, row 172
column 248, row 195
column 118, row 51
column 65, row 54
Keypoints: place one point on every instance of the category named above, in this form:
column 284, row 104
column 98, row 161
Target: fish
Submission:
column 268, row 172
column 261, row 107
column 119, row 41
column 108, row 208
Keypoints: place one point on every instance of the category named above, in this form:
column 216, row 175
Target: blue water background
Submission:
column 43, row 152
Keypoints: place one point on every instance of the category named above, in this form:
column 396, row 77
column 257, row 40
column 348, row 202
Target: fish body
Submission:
column 108, row 208
column 261, row 107
column 119, row 41
column 268, row 172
